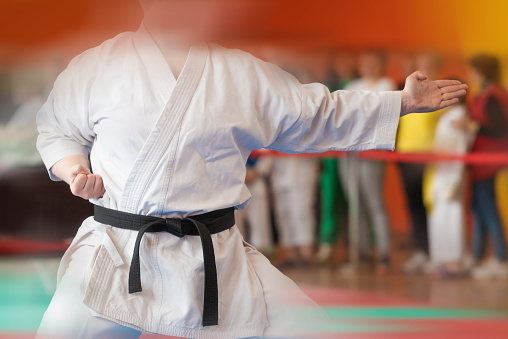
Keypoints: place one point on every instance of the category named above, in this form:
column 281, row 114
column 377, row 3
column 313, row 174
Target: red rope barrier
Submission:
column 487, row 158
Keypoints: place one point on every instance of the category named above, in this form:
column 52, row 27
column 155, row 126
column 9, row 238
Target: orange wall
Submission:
column 458, row 28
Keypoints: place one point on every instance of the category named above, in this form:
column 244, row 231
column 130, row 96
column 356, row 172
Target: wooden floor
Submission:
column 461, row 293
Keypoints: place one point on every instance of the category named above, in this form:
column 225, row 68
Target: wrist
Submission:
column 405, row 107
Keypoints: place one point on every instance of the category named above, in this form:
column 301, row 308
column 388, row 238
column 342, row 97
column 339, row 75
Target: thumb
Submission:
column 419, row 76
column 79, row 169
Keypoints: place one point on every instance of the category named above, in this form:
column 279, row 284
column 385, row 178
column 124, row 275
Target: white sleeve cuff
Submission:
column 388, row 121
column 58, row 150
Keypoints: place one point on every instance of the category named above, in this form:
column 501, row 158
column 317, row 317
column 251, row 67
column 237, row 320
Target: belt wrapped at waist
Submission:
column 200, row 225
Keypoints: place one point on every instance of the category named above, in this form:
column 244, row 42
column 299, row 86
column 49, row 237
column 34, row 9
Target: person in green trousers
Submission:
column 333, row 202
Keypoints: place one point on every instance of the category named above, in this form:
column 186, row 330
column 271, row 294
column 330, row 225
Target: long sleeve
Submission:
column 63, row 122
column 296, row 118
column 342, row 120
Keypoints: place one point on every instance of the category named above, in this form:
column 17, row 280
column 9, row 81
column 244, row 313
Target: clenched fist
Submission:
column 84, row 184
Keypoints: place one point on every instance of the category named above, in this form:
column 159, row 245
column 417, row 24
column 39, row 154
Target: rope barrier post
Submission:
column 354, row 209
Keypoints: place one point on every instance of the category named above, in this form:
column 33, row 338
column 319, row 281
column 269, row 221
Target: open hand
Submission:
column 420, row 95
column 84, row 184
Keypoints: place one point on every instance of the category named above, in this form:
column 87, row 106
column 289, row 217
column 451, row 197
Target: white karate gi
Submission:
column 257, row 213
column 174, row 148
column 294, row 184
column 446, row 222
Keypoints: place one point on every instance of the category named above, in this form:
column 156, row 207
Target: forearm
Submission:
column 63, row 168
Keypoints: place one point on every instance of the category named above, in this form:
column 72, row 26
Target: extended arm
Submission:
column 358, row 120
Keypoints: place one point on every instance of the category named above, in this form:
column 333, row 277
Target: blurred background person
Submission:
column 416, row 135
column 407, row 66
column 333, row 204
column 446, row 219
column 7, row 107
column 294, row 184
column 19, row 135
column 371, row 67
column 345, row 68
column 294, row 180
column 489, row 119
column 254, row 221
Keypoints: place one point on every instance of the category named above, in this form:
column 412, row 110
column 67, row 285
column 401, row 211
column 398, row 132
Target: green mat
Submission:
column 23, row 302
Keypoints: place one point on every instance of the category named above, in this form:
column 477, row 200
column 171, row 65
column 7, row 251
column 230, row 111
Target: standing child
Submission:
column 294, row 186
column 170, row 123
column 489, row 120
column 446, row 221
column 257, row 214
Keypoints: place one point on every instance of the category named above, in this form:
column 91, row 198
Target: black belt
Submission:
column 203, row 225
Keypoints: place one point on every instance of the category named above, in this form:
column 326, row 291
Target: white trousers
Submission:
column 257, row 215
column 446, row 231
column 295, row 217
column 69, row 318
column 294, row 188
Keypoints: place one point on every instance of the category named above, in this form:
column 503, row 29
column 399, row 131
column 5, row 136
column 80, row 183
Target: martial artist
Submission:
column 254, row 221
column 447, row 220
column 169, row 123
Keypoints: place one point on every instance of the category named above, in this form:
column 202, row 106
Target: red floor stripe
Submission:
column 19, row 246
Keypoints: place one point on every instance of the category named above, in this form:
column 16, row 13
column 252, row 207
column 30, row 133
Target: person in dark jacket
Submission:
column 489, row 120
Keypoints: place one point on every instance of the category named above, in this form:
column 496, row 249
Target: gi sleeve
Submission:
column 63, row 122
column 342, row 120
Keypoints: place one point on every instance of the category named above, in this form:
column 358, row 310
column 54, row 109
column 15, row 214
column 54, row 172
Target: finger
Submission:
column 99, row 187
column 78, row 184
column 458, row 94
column 80, row 169
column 90, row 183
column 454, row 88
column 445, row 83
column 80, row 181
column 446, row 103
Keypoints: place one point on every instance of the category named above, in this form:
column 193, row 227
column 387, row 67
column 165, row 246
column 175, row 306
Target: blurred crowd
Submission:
column 303, row 200
column 299, row 206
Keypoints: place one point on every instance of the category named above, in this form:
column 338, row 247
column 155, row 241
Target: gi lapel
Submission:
column 157, row 68
column 163, row 134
